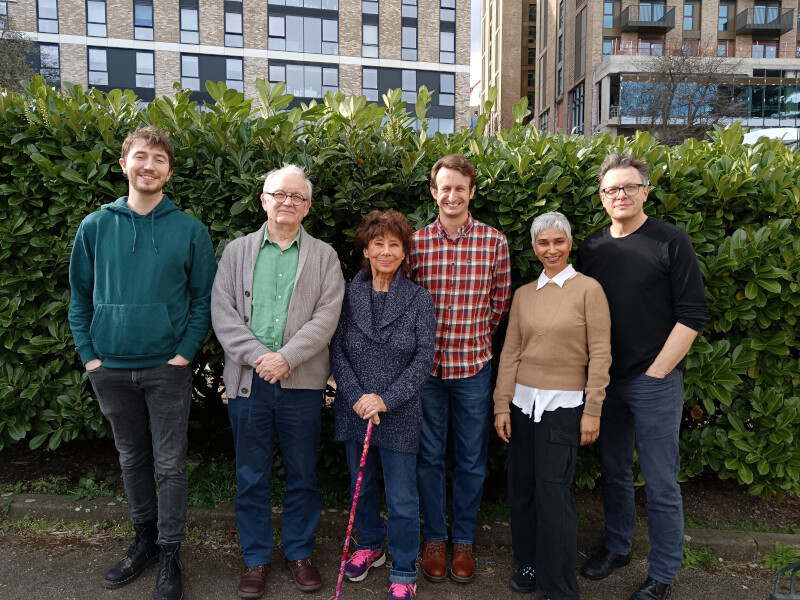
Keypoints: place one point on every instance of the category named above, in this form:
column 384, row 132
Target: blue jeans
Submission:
column 148, row 410
column 469, row 404
column 295, row 415
column 647, row 411
column 399, row 470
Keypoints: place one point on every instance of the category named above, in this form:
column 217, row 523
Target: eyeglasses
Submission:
column 280, row 197
column 631, row 189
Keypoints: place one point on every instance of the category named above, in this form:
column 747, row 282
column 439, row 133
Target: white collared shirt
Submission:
column 532, row 401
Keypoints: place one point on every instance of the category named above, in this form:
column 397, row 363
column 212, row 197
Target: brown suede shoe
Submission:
column 434, row 565
column 462, row 569
column 305, row 574
column 253, row 581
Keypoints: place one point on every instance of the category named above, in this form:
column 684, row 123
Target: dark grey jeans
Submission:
column 149, row 414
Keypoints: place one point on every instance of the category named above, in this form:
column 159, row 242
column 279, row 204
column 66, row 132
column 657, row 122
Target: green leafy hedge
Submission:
column 740, row 205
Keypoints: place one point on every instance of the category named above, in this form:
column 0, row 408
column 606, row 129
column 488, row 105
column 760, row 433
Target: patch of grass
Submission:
column 755, row 525
column 782, row 557
column 692, row 522
column 87, row 488
column 211, row 482
column 70, row 528
column 695, row 558
column 494, row 511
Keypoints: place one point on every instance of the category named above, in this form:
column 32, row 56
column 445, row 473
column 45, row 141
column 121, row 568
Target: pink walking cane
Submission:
column 361, row 466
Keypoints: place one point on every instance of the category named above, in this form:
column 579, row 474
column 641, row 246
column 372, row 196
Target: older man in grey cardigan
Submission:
column 274, row 307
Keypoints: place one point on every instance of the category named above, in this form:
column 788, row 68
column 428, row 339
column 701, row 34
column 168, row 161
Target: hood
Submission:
column 162, row 209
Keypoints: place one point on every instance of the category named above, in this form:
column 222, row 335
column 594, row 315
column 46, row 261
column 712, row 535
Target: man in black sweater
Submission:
column 650, row 274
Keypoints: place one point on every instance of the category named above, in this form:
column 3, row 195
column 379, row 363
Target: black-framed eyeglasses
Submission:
column 280, row 197
column 631, row 189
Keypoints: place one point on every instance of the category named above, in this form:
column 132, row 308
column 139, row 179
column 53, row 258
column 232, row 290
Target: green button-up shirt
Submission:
column 273, row 282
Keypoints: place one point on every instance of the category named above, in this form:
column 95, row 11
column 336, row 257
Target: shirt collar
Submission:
column 268, row 240
column 462, row 231
column 559, row 279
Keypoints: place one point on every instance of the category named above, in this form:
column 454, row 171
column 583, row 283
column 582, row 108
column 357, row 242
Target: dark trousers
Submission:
column 544, row 523
column 149, row 414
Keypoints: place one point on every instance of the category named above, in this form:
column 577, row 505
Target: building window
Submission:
column 580, row 44
column 651, row 11
column 234, row 73
column 98, row 66
column 143, row 19
column 48, row 16
column 559, row 82
column 532, row 12
column 689, row 13
column 765, row 12
column 544, row 121
column 96, row 18
column 725, row 49
column 190, row 72
column 543, row 26
column 561, row 14
column 145, row 70
column 323, row 4
column 725, row 13
column 560, row 47
column 651, row 47
column 305, row 80
column 532, row 56
column 447, row 10
column 369, row 7
column 233, row 24
column 49, row 66
column 369, row 41
column 294, row 33
column 531, row 35
column 409, row 43
column 447, row 47
column 409, row 9
column 531, row 78
column 369, row 84
column 447, row 89
column 765, row 50
column 608, row 15
column 190, row 22
column 576, row 105
column 542, row 80
column 610, row 45
column 409, row 79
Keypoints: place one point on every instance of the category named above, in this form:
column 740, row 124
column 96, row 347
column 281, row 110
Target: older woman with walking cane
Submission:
column 381, row 354
column 550, row 389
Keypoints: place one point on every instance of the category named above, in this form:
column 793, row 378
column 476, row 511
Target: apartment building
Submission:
column 314, row 46
column 508, row 57
column 591, row 57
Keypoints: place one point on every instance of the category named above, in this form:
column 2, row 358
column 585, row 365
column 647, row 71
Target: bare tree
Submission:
column 685, row 92
column 15, row 50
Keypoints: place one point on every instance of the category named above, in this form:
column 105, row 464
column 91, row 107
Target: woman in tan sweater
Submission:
column 550, row 388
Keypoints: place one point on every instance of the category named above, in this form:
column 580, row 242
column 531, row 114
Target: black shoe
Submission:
column 142, row 553
column 168, row 583
column 524, row 580
column 651, row 590
column 601, row 565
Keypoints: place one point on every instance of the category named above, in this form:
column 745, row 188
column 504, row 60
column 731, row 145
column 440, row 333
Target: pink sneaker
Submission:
column 402, row 591
column 358, row 565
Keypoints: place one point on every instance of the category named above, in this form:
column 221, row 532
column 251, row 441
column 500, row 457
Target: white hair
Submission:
column 550, row 219
column 288, row 169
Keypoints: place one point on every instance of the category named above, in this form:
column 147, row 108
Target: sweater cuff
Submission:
column 87, row 354
column 187, row 350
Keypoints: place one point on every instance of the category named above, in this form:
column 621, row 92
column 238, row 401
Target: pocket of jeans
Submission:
column 562, row 451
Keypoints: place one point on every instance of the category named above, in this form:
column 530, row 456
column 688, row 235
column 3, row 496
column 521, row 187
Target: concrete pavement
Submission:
column 59, row 566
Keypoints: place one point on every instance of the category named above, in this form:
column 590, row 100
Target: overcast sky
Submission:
column 475, row 52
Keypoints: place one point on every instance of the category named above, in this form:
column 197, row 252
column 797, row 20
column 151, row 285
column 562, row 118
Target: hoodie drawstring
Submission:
column 133, row 224
column 153, row 229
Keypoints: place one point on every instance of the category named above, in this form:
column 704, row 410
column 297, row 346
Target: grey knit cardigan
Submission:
column 313, row 313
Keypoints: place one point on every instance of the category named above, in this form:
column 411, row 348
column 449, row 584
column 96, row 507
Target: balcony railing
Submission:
column 650, row 18
column 720, row 49
column 766, row 20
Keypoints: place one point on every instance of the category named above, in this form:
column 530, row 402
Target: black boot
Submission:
column 142, row 553
column 168, row 583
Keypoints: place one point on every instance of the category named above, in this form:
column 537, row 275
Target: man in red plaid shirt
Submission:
column 464, row 264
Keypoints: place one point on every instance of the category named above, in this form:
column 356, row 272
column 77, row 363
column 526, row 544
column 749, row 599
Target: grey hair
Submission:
column 288, row 169
column 550, row 219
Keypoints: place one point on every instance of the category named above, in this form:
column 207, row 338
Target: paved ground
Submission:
column 61, row 566
column 48, row 565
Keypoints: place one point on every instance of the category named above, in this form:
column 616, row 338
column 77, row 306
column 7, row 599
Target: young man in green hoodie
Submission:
column 141, row 274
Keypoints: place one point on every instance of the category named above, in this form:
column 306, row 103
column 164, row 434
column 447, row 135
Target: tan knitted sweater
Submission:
column 557, row 339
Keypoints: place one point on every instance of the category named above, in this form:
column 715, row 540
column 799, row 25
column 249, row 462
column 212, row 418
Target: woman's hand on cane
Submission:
column 368, row 407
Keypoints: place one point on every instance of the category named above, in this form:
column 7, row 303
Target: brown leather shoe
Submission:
column 253, row 581
column 434, row 565
column 305, row 574
column 462, row 569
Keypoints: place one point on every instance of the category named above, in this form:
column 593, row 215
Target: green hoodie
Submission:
column 141, row 285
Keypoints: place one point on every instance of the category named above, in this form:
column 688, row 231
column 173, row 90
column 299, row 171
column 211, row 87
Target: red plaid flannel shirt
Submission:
column 470, row 280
